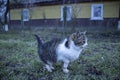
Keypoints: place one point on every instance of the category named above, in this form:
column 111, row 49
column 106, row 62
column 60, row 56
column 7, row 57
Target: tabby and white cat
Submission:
column 65, row 50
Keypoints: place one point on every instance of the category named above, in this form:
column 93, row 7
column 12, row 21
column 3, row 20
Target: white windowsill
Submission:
column 96, row 19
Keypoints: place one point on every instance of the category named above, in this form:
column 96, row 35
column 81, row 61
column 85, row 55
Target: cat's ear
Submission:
column 73, row 36
column 84, row 32
column 78, row 32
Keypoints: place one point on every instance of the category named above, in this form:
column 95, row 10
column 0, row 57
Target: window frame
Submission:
column 69, row 17
column 25, row 14
column 100, row 14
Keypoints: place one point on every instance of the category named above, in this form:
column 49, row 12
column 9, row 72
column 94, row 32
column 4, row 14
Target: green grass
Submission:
column 19, row 59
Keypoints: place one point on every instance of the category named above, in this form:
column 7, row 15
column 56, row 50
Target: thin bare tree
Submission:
column 27, row 12
column 76, row 11
column 119, row 19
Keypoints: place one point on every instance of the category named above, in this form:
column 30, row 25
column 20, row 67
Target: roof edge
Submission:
column 58, row 2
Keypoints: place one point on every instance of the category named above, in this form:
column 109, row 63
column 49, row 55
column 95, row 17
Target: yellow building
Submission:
column 79, row 13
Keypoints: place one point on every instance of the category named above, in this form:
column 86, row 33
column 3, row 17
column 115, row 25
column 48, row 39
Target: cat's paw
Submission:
column 65, row 70
column 52, row 67
column 48, row 68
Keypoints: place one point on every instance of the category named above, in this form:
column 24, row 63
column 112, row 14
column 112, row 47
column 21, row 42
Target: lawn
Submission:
column 19, row 59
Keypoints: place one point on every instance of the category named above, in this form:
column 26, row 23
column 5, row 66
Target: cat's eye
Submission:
column 83, row 41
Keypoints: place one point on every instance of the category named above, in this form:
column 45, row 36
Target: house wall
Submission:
column 50, row 12
column 111, row 10
column 50, row 15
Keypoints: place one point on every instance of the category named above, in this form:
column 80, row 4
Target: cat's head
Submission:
column 79, row 39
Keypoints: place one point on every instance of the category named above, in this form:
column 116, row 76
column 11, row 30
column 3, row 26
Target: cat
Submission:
column 65, row 50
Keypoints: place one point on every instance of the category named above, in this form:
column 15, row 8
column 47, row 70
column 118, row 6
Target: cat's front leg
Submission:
column 65, row 65
column 48, row 67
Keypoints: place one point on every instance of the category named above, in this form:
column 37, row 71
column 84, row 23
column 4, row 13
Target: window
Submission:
column 25, row 15
column 68, row 12
column 97, row 12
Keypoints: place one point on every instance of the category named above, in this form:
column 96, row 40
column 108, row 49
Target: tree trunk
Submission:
column 4, row 19
column 119, row 19
column 6, row 16
column 64, row 18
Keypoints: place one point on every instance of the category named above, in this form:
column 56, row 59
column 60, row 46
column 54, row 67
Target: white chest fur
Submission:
column 64, row 53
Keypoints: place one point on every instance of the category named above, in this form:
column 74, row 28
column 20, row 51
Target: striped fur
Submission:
column 65, row 50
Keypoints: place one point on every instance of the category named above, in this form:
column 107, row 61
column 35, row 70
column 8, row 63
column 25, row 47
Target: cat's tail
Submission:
column 38, row 40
